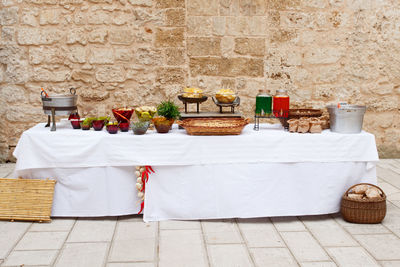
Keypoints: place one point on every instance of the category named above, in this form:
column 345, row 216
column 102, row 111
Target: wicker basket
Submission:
column 214, row 126
column 363, row 210
column 26, row 199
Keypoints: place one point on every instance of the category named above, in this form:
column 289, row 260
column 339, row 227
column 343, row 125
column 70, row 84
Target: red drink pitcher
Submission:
column 281, row 104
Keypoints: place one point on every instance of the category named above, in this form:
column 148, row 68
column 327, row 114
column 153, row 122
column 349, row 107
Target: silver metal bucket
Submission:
column 60, row 105
column 347, row 118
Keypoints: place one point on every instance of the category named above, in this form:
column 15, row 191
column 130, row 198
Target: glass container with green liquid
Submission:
column 263, row 103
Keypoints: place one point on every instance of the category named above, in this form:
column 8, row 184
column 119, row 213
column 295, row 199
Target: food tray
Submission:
column 192, row 99
column 26, row 199
column 299, row 113
column 214, row 126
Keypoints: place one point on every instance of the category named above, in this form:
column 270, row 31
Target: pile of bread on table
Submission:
column 364, row 191
column 309, row 125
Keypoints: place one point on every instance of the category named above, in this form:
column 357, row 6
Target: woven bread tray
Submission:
column 26, row 199
column 363, row 210
column 214, row 126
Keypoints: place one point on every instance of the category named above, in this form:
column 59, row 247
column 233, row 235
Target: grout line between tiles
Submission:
column 203, row 234
column 360, row 245
column 19, row 239
column 157, row 244
column 107, row 256
column 284, row 241
column 57, row 257
column 245, row 242
column 316, row 239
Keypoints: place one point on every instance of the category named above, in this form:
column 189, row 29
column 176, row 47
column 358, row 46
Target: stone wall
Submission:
column 136, row 52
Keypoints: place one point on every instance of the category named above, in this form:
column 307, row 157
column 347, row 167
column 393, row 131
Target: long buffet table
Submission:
column 256, row 174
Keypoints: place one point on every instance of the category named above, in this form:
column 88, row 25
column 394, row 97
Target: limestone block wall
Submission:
column 139, row 52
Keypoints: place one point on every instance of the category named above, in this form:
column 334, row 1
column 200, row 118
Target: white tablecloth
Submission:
column 264, row 173
column 66, row 148
column 251, row 190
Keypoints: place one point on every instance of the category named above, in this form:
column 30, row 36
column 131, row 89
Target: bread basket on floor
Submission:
column 363, row 210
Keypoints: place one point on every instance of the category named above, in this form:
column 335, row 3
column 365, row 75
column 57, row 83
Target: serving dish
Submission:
column 214, row 126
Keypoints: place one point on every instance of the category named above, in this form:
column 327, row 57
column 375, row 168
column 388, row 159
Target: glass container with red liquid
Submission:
column 281, row 104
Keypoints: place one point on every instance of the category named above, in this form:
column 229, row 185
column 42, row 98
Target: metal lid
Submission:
column 346, row 106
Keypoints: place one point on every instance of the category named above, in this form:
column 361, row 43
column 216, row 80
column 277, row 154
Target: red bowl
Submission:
column 76, row 123
column 112, row 129
column 98, row 125
column 124, row 126
column 122, row 115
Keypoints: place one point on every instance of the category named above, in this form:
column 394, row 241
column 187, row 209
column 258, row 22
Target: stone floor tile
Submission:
column 390, row 263
column 388, row 188
column 10, row 234
column 389, row 176
column 179, row 225
column 42, row 240
column 318, row 264
column 82, row 255
column 395, row 196
column 31, row 257
column 260, row 232
column 131, row 264
column 272, row 257
column 394, row 166
column 228, row 255
column 131, row 218
column 284, row 224
column 396, row 203
column 339, row 219
column 134, row 241
column 392, row 218
column 382, row 247
column 351, row 256
column 304, row 247
column 322, row 228
column 6, row 169
column 182, row 248
column 361, row 229
column 221, row 231
column 56, row 225
column 92, row 231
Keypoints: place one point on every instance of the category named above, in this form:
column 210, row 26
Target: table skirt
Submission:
column 205, row 191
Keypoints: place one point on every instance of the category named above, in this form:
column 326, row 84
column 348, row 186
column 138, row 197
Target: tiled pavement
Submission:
column 128, row 241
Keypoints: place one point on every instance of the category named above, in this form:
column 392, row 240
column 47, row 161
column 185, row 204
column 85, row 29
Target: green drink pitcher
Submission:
column 263, row 104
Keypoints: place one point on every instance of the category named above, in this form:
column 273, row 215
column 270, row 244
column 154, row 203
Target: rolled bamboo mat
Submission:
column 26, row 199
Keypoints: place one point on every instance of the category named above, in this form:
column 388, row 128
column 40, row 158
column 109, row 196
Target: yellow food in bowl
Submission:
column 225, row 96
column 192, row 93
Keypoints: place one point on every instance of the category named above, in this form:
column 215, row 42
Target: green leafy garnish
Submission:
column 169, row 110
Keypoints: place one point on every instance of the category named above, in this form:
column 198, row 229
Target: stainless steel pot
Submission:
column 60, row 105
column 346, row 118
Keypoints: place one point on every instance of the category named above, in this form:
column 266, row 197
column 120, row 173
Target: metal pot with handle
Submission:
column 60, row 105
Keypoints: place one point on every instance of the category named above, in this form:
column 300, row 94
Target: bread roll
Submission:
column 360, row 189
column 293, row 125
column 372, row 193
column 355, row 196
column 304, row 126
column 315, row 125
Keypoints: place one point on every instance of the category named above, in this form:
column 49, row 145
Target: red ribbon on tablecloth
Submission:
column 145, row 177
